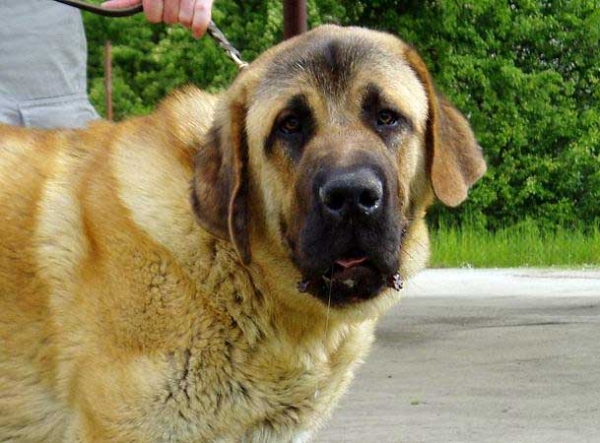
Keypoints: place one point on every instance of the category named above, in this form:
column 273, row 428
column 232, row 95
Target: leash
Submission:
column 213, row 30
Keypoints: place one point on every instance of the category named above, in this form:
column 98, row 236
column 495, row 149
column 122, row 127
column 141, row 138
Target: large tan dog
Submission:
column 213, row 272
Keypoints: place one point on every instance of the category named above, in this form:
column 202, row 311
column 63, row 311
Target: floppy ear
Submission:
column 455, row 159
column 220, row 187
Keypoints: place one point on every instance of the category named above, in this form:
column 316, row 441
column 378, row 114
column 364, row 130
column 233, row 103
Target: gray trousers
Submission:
column 43, row 63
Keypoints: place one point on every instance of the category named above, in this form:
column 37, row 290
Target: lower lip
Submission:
column 351, row 262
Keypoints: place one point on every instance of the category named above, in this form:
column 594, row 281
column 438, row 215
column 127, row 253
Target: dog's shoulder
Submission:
column 188, row 113
column 152, row 162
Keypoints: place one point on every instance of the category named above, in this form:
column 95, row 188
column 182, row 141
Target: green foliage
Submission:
column 523, row 244
column 526, row 73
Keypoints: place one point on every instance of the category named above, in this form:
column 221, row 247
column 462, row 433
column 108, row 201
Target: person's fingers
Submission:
column 153, row 9
column 119, row 4
column 194, row 14
column 186, row 12
column 171, row 11
column 202, row 13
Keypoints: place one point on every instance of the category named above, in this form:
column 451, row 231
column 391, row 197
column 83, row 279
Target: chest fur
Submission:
column 237, row 393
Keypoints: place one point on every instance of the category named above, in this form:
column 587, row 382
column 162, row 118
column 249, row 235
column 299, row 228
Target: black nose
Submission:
column 352, row 194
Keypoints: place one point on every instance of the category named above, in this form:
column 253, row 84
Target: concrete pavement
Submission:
column 481, row 356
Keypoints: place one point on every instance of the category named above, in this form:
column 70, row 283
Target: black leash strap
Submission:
column 213, row 30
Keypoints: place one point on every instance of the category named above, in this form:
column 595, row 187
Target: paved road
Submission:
column 482, row 356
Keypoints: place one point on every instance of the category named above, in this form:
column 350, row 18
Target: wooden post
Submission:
column 294, row 18
column 108, row 80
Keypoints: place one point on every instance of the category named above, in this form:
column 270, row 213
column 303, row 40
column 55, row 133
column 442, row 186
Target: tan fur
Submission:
column 124, row 320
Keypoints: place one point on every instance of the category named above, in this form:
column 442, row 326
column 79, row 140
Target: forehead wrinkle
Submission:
column 338, row 111
column 327, row 64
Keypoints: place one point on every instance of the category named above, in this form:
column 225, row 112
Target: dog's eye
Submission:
column 290, row 124
column 387, row 117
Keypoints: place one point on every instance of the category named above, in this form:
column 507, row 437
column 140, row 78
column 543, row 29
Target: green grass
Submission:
column 522, row 245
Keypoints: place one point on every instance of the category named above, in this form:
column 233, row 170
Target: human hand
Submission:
column 193, row 14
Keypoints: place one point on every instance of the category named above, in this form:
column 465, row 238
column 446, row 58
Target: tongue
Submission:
column 350, row 262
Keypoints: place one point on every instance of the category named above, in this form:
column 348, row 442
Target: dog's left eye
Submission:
column 387, row 117
column 290, row 124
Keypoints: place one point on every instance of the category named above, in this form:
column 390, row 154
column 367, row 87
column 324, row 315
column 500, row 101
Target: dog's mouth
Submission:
column 350, row 279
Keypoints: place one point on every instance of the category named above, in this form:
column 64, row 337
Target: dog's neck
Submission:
column 292, row 317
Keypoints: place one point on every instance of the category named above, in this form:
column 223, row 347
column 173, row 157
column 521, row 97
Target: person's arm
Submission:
column 193, row 14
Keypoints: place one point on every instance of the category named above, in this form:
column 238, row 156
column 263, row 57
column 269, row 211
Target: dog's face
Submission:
column 328, row 148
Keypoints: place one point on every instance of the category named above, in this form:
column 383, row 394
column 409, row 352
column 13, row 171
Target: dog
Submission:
column 213, row 272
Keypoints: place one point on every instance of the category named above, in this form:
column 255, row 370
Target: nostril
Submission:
column 335, row 200
column 369, row 198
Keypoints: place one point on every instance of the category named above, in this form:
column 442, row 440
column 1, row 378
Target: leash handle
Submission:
column 213, row 30
column 99, row 10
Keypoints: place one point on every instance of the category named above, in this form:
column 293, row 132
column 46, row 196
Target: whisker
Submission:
column 407, row 253
column 328, row 304
column 326, row 331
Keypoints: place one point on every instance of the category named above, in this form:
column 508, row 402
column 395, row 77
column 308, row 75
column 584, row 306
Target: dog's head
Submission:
column 327, row 151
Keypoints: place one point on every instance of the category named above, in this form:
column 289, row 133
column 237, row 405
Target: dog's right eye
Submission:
column 387, row 117
column 290, row 124
column 293, row 127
